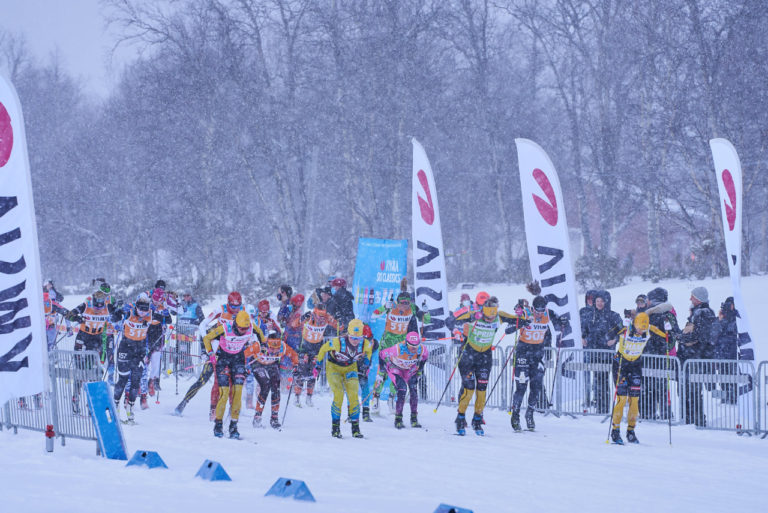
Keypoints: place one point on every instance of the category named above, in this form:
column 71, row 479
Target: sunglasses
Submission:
column 355, row 339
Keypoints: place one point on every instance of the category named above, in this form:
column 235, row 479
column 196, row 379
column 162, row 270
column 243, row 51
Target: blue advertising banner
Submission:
column 380, row 265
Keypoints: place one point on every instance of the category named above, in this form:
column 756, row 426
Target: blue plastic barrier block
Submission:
column 295, row 488
column 105, row 421
column 149, row 459
column 213, row 471
column 447, row 508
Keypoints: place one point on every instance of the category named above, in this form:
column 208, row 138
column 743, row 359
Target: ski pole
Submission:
column 669, row 394
column 288, row 402
column 615, row 393
column 501, row 371
column 458, row 360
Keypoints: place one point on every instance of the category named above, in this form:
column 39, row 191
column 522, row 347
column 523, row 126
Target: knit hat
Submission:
column 701, row 294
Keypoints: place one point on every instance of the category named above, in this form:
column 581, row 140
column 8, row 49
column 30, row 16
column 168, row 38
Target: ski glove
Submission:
column 315, row 372
column 212, row 358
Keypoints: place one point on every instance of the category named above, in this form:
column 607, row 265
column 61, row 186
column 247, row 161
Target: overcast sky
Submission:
column 76, row 29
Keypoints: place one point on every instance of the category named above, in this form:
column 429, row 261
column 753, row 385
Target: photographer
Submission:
column 725, row 339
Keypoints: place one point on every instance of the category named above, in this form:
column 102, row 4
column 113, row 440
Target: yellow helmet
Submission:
column 243, row 320
column 641, row 322
column 355, row 328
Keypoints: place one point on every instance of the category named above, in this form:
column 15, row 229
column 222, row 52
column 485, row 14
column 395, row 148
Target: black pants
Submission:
column 205, row 375
column 529, row 368
column 307, row 359
column 130, row 364
column 230, row 368
column 475, row 369
column 268, row 378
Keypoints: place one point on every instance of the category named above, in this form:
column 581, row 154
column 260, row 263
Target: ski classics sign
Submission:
column 428, row 255
column 546, row 232
column 23, row 351
column 728, row 171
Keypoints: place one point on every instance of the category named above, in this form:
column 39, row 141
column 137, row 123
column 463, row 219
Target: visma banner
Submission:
column 380, row 265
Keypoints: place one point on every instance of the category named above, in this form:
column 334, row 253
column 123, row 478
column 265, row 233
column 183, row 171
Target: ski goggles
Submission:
column 142, row 307
column 105, row 288
column 235, row 306
column 355, row 340
column 490, row 311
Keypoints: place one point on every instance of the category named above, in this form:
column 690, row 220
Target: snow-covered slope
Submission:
column 564, row 466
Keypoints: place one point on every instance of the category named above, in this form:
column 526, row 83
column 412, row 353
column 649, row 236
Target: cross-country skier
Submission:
column 403, row 364
column 528, row 359
column 628, row 373
column 52, row 309
column 265, row 364
column 224, row 313
column 161, row 317
column 363, row 369
column 344, row 353
column 132, row 350
column 314, row 325
column 476, row 358
column 234, row 338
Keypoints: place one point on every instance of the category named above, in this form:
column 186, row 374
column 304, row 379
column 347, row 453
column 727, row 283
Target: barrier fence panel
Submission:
column 181, row 355
column 69, row 370
column 717, row 394
column 761, row 399
column 436, row 371
column 660, row 388
column 586, row 382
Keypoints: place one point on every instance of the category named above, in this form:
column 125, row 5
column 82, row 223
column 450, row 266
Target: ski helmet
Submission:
column 412, row 338
column 464, row 297
column 99, row 299
column 297, row 300
column 339, row 282
column 273, row 339
column 404, row 297
column 142, row 304
column 491, row 307
column 157, row 295
column 263, row 306
column 539, row 304
column 355, row 328
column 481, row 298
column 160, row 284
column 641, row 322
column 234, row 300
column 243, row 320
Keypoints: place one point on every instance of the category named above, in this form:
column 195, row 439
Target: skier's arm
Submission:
column 212, row 335
column 75, row 313
column 327, row 346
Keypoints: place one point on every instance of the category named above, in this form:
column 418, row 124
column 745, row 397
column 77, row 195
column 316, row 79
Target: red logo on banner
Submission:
column 730, row 189
column 548, row 210
column 381, row 265
column 426, row 207
column 6, row 136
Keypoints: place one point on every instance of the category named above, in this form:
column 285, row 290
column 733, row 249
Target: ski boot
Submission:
column 516, row 420
column 129, row 416
column 399, row 421
column 616, row 437
column 273, row 422
column 257, row 420
column 180, row 408
column 356, row 429
column 477, row 424
column 151, row 387
column 367, row 414
column 631, row 437
column 218, row 429
column 297, row 402
column 335, row 429
column 529, row 423
column 143, row 402
column 233, row 433
column 212, row 413
column 309, row 401
column 415, row 421
column 461, row 424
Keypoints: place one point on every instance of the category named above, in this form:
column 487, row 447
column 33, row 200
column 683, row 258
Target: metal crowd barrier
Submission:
column 761, row 399
column 660, row 395
column 718, row 394
column 436, row 371
column 181, row 353
column 585, row 382
column 65, row 406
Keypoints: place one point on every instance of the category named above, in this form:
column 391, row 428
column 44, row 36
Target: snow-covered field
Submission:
column 564, row 466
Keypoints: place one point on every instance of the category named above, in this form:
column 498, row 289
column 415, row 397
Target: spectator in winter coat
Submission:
column 192, row 312
column 284, row 294
column 725, row 337
column 696, row 343
column 341, row 304
column 601, row 332
column 661, row 315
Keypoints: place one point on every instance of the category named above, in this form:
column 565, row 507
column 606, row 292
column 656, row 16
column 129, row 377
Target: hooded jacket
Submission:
column 698, row 343
column 602, row 325
column 659, row 315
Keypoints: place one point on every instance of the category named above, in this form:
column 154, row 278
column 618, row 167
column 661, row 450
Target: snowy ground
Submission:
column 564, row 466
